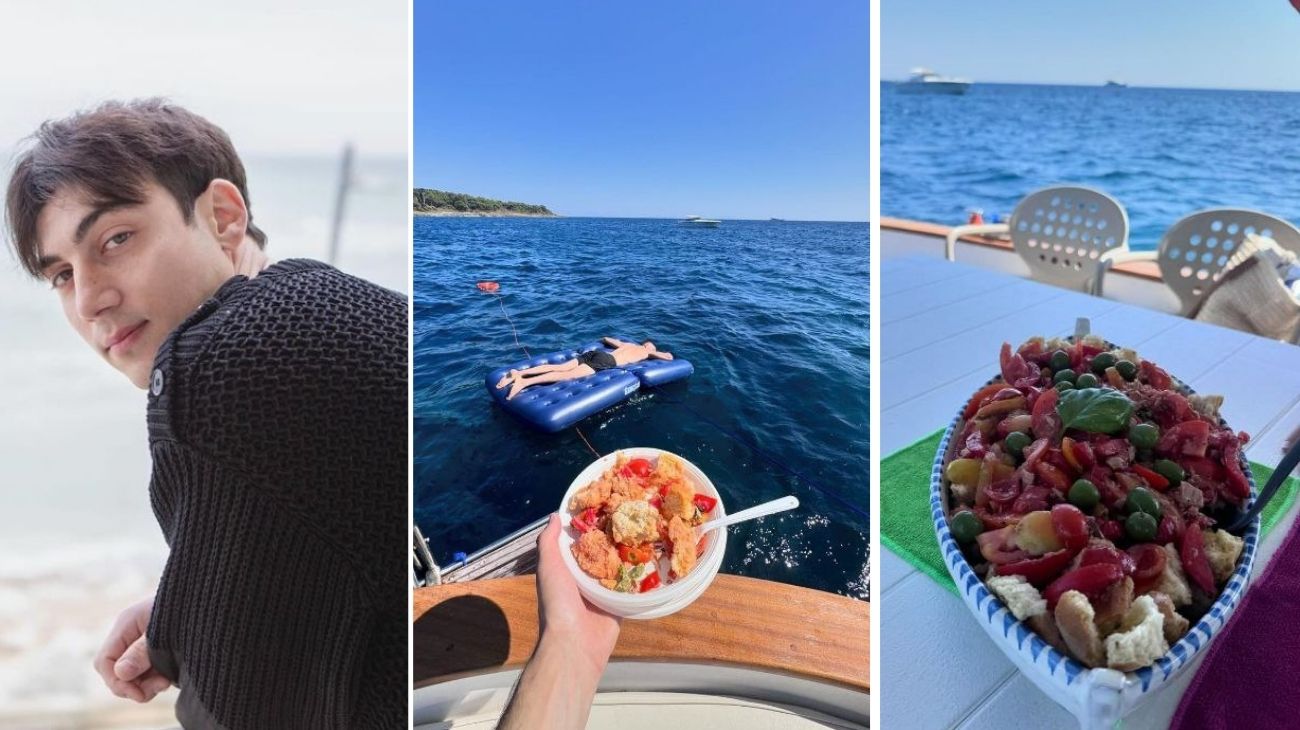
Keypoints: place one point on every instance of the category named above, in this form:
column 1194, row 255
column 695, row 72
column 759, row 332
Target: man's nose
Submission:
column 96, row 293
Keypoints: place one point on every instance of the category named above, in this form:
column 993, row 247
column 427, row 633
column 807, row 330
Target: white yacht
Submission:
column 925, row 81
column 698, row 222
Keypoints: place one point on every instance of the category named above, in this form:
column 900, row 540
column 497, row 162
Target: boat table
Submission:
column 941, row 325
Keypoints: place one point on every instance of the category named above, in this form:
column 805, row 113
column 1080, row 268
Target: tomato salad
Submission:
column 636, row 520
column 1080, row 488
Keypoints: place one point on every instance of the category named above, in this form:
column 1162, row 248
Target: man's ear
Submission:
column 222, row 209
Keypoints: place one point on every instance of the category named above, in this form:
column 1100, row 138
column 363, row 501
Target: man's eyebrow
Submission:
column 46, row 262
column 89, row 220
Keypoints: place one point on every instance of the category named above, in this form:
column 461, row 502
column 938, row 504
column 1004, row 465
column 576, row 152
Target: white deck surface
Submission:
column 942, row 324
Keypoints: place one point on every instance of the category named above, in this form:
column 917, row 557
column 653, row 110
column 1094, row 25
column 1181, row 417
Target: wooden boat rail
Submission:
column 467, row 628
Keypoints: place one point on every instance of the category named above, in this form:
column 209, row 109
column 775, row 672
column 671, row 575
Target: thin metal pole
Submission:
column 345, row 182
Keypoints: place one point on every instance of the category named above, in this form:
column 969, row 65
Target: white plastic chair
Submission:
column 1193, row 252
column 1066, row 235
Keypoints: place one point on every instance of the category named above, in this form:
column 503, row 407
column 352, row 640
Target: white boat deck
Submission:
column 941, row 326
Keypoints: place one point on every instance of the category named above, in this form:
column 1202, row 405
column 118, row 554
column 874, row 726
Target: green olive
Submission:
column 1144, row 435
column 1141, row 527
column 1015, row 443
column 1084, row 495
column 1127, row 369
column 1060, row 360
column 965, row 527
column 1086, row 380
column 1143, row 500
column 1103, row 361
column 1171, row 471
column 1064, row 376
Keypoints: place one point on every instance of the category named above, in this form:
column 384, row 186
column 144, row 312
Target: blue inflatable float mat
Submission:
column 556, row 406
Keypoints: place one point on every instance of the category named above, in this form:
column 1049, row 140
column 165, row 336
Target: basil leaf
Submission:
column 1096, row 410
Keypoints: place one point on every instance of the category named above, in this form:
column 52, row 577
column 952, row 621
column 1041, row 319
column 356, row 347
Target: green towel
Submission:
column 906, row 528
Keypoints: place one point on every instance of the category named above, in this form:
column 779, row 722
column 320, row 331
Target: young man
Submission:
column 277, row 417
column 588, row 363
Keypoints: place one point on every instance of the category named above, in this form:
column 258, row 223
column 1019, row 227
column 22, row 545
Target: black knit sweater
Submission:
column 278, row 429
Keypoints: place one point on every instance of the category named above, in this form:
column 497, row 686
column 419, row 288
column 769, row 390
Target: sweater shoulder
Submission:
column 294, row 355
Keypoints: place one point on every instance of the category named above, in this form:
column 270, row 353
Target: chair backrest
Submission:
column 1061, row 233
column 1194, row 250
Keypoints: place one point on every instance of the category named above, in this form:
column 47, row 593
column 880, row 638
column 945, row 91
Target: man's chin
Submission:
column 135, row 372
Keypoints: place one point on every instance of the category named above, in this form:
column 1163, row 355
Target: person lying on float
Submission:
column 587, row 363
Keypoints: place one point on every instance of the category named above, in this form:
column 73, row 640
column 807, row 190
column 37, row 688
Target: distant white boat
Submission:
column 698, row 222
column 925, row 81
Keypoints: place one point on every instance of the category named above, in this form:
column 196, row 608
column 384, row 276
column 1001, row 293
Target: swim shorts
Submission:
column 597, row 360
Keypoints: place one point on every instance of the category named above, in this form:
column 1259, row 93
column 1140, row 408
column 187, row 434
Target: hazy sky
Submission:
column 280, row 77
column 1219, row 44
column 729, row 108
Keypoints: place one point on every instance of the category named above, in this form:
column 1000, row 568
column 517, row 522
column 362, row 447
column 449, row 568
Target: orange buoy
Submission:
column 976, row 218
column 491, row 287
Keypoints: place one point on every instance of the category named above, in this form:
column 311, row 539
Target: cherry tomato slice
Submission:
column 1040, row 571
column 1014, row 367
column 639, row 468
column 1045, row 419
column 705, row 503
column 585, row 522
column 978, row 399
column 1195, row 562
column 1078, row 454
column 998, row 546
column 1152, row 478
column 649, row 582
column 635, row 554
column 1107, row 554
column 1238, row 484
column 1052, row 477
column 1070, row 525
column 1189, row 438
column 1090, row 580
column 1149, row 560
column 1154, row 376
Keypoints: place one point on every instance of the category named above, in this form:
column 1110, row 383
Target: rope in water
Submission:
column 520, row 345
column 588, row 443
column 512, row 325
column 773, row 460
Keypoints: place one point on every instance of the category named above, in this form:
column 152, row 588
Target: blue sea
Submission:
column 1163, row 153
column 774, row 316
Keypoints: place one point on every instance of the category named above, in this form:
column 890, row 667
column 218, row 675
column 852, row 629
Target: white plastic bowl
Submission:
column 667, row 598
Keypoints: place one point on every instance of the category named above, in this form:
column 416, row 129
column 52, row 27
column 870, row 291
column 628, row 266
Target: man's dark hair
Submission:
column 111, row 153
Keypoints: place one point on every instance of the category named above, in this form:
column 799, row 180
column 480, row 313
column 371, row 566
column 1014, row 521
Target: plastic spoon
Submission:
column 1284, row 469
column 762, row 510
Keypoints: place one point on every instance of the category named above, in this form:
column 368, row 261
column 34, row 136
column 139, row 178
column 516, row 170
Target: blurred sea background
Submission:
column 774, row 316
column 1161, row 152
column 78, row 539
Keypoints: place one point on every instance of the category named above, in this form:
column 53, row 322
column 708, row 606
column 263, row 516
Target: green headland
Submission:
column 425, row 201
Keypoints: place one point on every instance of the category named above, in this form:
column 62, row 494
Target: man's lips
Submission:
column 123, row 337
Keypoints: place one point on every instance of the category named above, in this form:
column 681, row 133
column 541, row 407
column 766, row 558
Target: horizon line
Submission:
column 660, row 218
column 1093, row 85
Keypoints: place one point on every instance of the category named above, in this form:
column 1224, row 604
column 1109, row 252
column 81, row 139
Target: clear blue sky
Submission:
column 732, row 109
column 1215, row 44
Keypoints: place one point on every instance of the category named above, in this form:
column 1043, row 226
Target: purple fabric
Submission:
column 1247, row 679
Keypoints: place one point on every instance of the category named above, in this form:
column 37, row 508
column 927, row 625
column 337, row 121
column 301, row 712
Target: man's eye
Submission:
column 117, row 240
column 61, row 278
